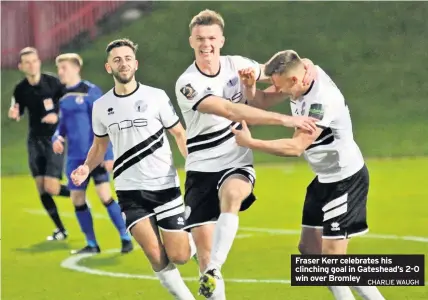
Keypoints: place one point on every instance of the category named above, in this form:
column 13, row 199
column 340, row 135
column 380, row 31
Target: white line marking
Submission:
column 72, row 263
column 262, row 230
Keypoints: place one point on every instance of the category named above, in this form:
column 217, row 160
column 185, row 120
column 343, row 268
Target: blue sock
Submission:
column 116, row 217
column 84, row 217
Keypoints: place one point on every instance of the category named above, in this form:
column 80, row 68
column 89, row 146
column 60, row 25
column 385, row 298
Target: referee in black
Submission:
column 40, row 94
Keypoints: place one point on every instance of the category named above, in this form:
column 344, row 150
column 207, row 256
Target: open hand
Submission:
column 79, row 175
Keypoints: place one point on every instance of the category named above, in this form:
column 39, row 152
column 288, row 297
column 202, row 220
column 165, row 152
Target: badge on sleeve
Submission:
column 316, row 111
column 188, row 91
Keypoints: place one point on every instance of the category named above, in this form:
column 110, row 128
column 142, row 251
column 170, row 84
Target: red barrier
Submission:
column 48, row 25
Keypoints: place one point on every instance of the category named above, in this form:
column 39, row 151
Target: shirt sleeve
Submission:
column 61, row 128
column 93, row 95
column 16, row 99
column 324, row 110
column 100, row 130
column 167, row 113
column 244, row 63
column 190, row 94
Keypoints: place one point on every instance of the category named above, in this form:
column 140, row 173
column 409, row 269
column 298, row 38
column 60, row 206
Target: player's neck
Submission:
column 125, row 89
column 208, row 68
column 34, row 79
column 306, row 89
column 74, row 82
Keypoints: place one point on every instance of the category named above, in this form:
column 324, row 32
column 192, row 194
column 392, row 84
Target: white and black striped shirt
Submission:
column 334, row 155
column 211, row 144
column 135, row 124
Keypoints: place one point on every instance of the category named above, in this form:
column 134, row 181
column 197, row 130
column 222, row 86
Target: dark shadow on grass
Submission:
column 46, row 246
column 102, row 260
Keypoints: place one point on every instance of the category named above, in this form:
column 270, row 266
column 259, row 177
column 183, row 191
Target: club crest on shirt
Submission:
column 140, row 106
column 232, row 82
column 188, row 91
column 79, row 99
column 316, row 110
column 48, row 103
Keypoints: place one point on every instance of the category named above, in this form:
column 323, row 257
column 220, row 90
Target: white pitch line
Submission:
column 272, row 231
column 72, row 263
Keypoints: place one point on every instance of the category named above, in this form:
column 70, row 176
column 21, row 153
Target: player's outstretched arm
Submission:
column 295, row 146
column 179, row 134
column 254, row 116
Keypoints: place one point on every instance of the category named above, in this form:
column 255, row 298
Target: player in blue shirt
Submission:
column 75, row 124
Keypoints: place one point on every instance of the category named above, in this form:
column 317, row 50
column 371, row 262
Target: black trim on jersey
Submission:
column 175, row 123
column 310, row 88
column 195, row 106
column 321, row 126
column 210, row 136
column 138, row 158
column 127, row 154
column 101, row 136
column 323, row 134
column 210, row 76
column 127, row 95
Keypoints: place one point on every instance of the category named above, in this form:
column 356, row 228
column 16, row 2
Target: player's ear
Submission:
column 191, row 42
column 19, row 66
column 108, row 68
column 222, row 40
column 136, row 64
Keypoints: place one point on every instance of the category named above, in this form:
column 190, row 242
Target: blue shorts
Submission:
column 99, row 174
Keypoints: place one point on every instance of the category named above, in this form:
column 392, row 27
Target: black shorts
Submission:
column 166, row 205
column 201, row 195
column 42, row 160
column 339, row 208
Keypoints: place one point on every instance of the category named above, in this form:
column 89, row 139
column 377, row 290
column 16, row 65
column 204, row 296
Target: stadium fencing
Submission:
column 48, row 25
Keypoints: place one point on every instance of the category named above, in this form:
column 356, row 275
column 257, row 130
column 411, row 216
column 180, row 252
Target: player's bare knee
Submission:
column 40, row 184
column 178, row 255
column 51, row 186
column 78, row 197
column 156, row 256
column 104, row 192
column 231, row 199
column 334, row 246
column 309, row 248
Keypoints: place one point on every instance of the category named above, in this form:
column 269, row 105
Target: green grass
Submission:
column 31, row 268
column 373, row 50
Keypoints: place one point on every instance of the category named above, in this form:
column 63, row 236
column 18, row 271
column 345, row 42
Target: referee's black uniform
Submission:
column 40, row 100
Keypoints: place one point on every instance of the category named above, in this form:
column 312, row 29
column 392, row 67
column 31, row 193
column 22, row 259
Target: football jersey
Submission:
column 135, row 124
column 210, row 142
column 334, row 155
column 75, row 114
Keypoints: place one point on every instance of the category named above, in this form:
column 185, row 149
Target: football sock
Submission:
column 64, row 191
column 368, row 292
column 116, row 217
column 52, row 210
column 341, row 292
column 84, row 217
column 171, row 279
column 224, row 234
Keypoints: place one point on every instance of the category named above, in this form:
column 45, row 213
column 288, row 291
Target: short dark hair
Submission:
column 121, row 43
column 26, row 51
column 282, row 62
